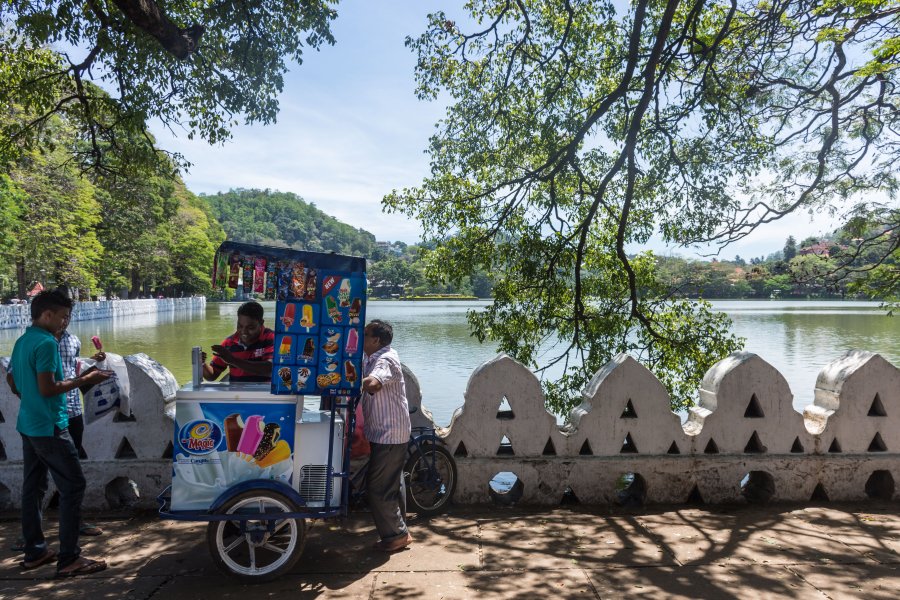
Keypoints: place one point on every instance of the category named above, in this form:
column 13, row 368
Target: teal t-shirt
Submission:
column 37, row 351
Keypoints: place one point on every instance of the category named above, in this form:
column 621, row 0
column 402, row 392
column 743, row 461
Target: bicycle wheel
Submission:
column 261, row 550
column 429, row 490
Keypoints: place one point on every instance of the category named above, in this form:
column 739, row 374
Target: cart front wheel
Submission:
column 256, row 546
column 430, row 479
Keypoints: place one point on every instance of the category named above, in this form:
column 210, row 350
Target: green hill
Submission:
column 285, row 219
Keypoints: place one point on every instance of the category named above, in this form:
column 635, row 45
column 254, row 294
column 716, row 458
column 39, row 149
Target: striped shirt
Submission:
column 386, row 412
column 69, row 349
column 263, row 349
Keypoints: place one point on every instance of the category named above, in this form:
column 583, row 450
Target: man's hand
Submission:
column 371, row 384
column 95, row 377
column 223, row 353
column 99, row 356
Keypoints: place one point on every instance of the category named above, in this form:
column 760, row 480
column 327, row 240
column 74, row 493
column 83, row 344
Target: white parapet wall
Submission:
column 15, row 316
column 743, row 442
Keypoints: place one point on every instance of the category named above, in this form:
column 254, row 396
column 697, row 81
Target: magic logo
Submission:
column 200, row 436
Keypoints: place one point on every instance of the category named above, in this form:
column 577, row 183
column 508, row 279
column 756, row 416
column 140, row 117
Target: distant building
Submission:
column 822, row 249
column 389, row 248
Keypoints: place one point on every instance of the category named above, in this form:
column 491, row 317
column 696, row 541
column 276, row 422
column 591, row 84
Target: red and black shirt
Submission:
column 263, row 349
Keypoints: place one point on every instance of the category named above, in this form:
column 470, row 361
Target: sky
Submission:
column 351, row 130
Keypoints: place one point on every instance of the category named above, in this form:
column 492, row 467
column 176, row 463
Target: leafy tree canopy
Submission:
column 282, row 218
column 577, row 130
column 194, row 66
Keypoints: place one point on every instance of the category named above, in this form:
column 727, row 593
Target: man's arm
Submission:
column 257, row 367
column 11, row 383
column 48, row 386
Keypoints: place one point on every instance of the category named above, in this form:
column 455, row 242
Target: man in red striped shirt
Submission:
column 247, row 354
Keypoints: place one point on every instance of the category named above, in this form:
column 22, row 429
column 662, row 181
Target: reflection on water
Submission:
column 796, row 337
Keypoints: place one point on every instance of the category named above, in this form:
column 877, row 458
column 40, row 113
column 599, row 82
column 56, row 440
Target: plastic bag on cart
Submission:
column 110, row 395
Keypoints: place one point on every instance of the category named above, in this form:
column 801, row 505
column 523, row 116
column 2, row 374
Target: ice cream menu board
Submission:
column 319, row 314
column 220, row 444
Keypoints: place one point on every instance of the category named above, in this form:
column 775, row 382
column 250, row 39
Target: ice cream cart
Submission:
column 249, row 458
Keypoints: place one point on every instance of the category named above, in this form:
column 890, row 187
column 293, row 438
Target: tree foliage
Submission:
column 283, row 218
column 195, row 66
column 578, row 130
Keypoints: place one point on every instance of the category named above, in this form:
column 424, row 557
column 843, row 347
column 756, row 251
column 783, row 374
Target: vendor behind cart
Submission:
column 247, row 354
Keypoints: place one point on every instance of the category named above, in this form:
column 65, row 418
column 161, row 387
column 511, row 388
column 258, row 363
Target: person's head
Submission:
column 250, row 322
column 377, row 335
column 65, row 292
column 51, row 310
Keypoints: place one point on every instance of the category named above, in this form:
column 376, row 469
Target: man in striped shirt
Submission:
column 247, row 354
column 387, row 427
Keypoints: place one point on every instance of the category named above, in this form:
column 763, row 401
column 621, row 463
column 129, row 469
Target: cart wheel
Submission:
column 429, row 491
column 256, row 550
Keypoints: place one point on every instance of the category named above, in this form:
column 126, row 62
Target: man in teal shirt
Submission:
column 47, row 446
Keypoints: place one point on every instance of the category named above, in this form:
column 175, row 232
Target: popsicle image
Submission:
column 306, row 321
column 285, row 347
column 96, row 342
column 252, row 435
column 311, row 282
column 302, row 375
column 271, row 433
column 349, row 372
column 344, row 292
column 309, row 349
column 352, row 344
column 285, row 374
column 280, row 452
column 287, row 319
column 234, row 426
column 355, row 307
column 333, row 312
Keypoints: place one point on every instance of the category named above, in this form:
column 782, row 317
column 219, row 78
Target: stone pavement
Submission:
column 825, row 551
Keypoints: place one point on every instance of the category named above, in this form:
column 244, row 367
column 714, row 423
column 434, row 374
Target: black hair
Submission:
column 49, row 300
column 251, row 309
column 382, row 330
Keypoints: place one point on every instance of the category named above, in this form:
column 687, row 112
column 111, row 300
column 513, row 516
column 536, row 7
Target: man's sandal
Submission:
column 81, row 566
column 48, row 556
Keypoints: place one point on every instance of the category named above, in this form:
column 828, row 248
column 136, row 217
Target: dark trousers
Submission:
column 76, row 430
column 385, row 490
column 57, row 455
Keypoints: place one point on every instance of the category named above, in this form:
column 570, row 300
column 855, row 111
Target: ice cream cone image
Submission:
column 285, row 374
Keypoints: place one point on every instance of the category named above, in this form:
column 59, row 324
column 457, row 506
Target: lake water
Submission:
column 796, row 337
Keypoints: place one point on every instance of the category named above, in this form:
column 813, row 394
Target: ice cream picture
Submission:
column 287, row 319
column 331, row 365
column 271, row 433
column 349, row 372
column 334, row 312
column 302, row 376
column 352, row 344
column 344, row 293
column 234, row 426
column 309, row 349
column 332, row 345
column 251, row 436
column 298, row 280
column 281, row 451
column 355, row 307
column 285, row 347
column 285, row 374
column 306, row 321
column 311, row 283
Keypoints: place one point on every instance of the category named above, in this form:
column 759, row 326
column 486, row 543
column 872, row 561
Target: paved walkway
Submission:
column 829, row 551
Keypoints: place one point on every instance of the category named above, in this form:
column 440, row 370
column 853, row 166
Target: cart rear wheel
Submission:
column 429, row 491
column 256, row 550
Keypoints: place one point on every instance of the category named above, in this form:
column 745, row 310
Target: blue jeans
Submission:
column 57, row 455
